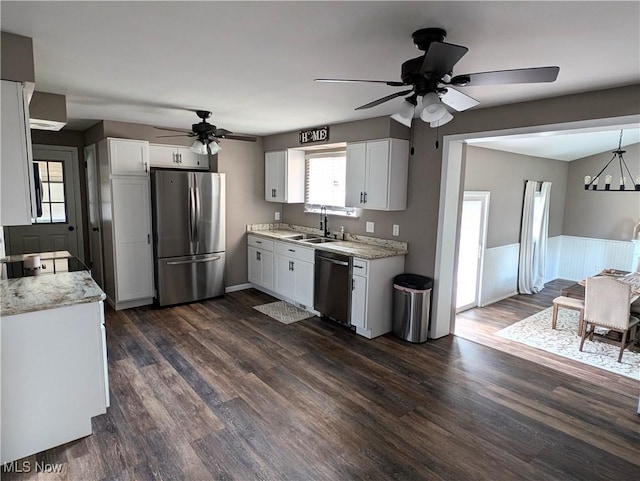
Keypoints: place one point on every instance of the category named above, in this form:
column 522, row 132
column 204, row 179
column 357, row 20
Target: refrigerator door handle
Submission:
column 195, row 261
column 198, row 217
column 192, row 212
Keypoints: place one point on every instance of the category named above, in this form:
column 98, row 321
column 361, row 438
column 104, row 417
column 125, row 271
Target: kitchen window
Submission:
column 325, row 182
column 53, row 198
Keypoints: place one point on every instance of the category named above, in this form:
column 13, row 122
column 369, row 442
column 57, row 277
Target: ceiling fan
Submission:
column 430, row 78
column 207, row 135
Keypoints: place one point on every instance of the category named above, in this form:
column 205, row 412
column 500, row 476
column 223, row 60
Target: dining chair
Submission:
column 606, row 305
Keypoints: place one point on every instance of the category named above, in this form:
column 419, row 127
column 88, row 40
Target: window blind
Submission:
column 325, row 178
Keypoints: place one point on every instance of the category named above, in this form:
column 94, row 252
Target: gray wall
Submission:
column 504, row 175
column 603, row 215
column 419, row 223
column 16, row 58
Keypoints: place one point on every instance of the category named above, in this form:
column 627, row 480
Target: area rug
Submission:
column 535, row 331
column 283, row 311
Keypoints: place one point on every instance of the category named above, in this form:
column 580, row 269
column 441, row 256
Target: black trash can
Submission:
column 411, row 306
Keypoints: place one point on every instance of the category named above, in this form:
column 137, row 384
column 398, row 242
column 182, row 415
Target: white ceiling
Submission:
column 565, row 145
column 252, row 63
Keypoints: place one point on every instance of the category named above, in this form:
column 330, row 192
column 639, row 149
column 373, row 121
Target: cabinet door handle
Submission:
column 148, row 238
column 291, row 250
column 275, row 192
column 180, row 158
column 353, row 285
column 361, row 197
column 365, row 197
column 258, row 255
column 146, row 167
column 358, row 267
column 258, row 242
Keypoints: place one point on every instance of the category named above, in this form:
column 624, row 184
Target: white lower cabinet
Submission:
column 281, row 268
column 294, row 273
column 260, row 262
column 54, row 377
column 372, row 294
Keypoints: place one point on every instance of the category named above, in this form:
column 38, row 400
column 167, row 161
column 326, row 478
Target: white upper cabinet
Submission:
column 377, row 174
column 128, row 157
column 176, row 156
column 284, row 176
column 16, row 164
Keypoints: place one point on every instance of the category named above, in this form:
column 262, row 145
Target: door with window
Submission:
column 57, row 226
column 473, row 234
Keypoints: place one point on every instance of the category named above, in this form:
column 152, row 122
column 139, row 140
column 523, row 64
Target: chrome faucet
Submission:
column 324, row 224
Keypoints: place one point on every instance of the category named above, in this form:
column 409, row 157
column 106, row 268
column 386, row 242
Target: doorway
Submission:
column 473, row 235
column 58, row 226
column 93, row 198
column 452, row 181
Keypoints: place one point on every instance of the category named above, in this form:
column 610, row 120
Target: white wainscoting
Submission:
column 500, row 273
column 583, row 256
column 554, row 254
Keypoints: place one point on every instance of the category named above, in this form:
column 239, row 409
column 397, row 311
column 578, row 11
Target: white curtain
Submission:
column 533, row 237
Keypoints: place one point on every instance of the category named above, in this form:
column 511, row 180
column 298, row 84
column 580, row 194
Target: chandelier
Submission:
column 591, row 183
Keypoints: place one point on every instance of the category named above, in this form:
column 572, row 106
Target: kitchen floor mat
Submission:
column 283, row 311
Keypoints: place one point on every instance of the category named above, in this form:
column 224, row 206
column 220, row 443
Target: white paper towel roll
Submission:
column 32, row 262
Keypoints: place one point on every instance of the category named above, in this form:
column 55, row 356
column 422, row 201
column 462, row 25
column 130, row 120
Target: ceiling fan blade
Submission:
column 441, row 57
column 221, row 132
column 167, row 136
column 391, row 83
column 246, row 138
column 501, row 77
column 173, row 130
column 383, row 99
column 457, row 100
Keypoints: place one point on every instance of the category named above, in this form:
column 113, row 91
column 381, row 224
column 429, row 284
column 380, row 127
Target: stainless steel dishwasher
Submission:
column 332, row 285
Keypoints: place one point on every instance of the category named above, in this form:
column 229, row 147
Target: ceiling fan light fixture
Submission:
column 214, row 147
column 198, row 147
column 446, row 118
column 432, row 109
column 405, row 116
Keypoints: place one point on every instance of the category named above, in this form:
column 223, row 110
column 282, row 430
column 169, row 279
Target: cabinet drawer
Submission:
column 260, row 243
column 297, row 252
column 360, row 267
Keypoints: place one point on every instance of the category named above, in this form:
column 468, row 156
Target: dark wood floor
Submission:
column 216, row 390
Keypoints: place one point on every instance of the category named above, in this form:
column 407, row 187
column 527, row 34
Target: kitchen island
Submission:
column 53, row 361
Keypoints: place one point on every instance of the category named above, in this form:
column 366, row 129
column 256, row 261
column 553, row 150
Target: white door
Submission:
column 93, row 198
column 132, row 238
column 377, row 175
column 359, row 301
column 473, row 227
column 356, row 162
column 275, row 166
column 59, row 227
column 304, row 282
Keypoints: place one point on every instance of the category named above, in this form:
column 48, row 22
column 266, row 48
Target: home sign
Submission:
column 319, row 134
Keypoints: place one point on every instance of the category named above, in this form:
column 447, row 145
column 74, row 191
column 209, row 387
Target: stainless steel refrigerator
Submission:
column 188, row 234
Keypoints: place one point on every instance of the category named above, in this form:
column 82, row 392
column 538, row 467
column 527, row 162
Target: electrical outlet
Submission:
column 396, row 229
column 277, row 215
column 370, row 227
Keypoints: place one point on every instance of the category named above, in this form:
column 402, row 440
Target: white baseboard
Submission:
column 501, row 298
column 238, row 287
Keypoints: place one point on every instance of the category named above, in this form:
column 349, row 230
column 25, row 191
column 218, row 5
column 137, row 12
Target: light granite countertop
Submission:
column 47, row 291
column 363, row 247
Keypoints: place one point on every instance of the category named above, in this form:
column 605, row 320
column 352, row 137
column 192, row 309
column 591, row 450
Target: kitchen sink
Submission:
column 299, row 236
column 319, row 240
